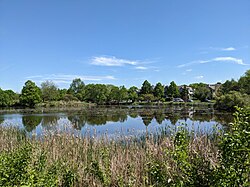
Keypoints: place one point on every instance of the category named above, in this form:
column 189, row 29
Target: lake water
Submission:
column 117, row 120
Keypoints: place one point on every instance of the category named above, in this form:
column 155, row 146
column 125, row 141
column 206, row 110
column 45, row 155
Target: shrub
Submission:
column 230, row 100
column 235, row 152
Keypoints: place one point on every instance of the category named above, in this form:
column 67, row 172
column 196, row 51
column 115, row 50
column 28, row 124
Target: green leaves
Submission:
column 31, row 94
column 234, row 167
column 27, row 166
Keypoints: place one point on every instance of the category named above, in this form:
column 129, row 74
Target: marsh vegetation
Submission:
column 173, row 157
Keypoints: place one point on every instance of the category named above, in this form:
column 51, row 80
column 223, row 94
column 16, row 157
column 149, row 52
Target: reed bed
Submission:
column 89, row 160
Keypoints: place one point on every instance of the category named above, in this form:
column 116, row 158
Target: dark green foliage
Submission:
column 173, row 90
column 146, row 88
column 62, row 93
column 13, row 166
column 202, row 93
column 4, row 98
column 159, row 91
column 133, row 93
column 96, row 93
column 244, row 83
column 8, row 98
column 31, row 94
column 229, row 85
column 230, row 100
column 113, row 95
column 123, row 94
column 156, row 174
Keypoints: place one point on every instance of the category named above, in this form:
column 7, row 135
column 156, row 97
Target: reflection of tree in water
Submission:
column 133, row 114
column 147, row 116
column 202, row 117
column 30, row 122
column 224, row 119
column 122, row 116
column 1, row 119
column 101, row 118
column 77, row 121
column 159, row 117
column 96, row 120
column 173, row 118
column 49, row 122
column 147, row 120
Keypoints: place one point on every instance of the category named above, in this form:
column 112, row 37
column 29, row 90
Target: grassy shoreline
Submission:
column 75, row 106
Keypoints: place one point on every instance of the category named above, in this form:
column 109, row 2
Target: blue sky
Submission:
column 123, row 42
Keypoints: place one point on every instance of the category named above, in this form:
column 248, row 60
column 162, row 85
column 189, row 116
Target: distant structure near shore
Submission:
column 213, row 87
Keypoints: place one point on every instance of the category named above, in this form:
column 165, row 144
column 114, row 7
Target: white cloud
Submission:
column 216, row 59
column 111, row 61
column 141, row 67
column 223, row 48
column 228, row 59
column 189, row 70
column 199, row 77
column 66, row 79
column 228, row 49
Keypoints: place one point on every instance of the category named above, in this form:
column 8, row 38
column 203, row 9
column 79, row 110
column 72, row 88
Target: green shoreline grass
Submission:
column 76, row 106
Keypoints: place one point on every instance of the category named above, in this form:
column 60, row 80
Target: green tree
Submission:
column 62, row 93
column 4, row 98
column 8, row 98
column 230, row 100
column 197, row 85
column 147, row 97
column 97, row 93
column 49, row 91
column 77, row 89
column 31, row 94
column 229, row 85
column 133, row 93
column 13, row 97
column 123, row 94
column 244, row 83
column 113, row 94
column 202, row 93
column 173, row 90
column 159, row 91
column 146, row 88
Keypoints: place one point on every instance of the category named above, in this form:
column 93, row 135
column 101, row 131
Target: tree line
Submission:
column 234, row 93
column 32, row 95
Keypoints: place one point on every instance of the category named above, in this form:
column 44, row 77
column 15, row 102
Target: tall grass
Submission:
column 171, row 158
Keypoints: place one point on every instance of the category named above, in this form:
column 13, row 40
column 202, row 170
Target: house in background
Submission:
column 189, row 89
column 214, row 88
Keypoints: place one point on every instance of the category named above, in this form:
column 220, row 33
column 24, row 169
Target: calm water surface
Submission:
column 117, row 120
